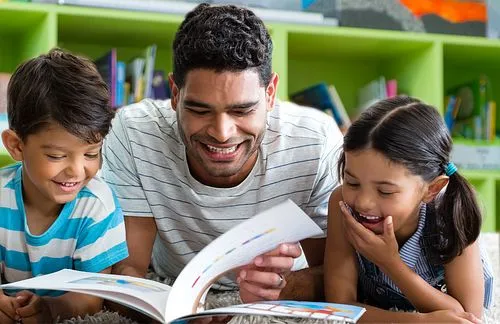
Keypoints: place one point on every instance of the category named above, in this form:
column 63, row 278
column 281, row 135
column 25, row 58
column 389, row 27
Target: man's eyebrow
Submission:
column 194, row 103
column 238, row 105
column 243, row 105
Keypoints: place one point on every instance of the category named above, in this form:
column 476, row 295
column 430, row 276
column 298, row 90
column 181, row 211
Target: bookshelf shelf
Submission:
column 424, row 64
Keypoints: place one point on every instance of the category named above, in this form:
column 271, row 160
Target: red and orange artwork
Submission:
column 454, row 11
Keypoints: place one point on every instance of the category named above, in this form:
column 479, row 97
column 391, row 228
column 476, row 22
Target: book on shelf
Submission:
column 325, row 98
column 161, row 89
column 120, row 84
column 473, row 115
column 4, row 82
column 106, row 65
column 282, row 223
column 372, row 92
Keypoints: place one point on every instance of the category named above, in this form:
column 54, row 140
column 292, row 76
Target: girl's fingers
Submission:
column 350, row 223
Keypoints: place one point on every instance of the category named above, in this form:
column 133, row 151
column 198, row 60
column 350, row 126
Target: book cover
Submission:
column 120, row 84
column 474, row 98
column 285, row 222
column 160, row 87
column 150, row 57
column 106, row 65
column 372, row 92
column 318, row 96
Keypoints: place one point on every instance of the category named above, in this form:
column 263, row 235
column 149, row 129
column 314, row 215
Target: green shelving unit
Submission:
column 424, row 64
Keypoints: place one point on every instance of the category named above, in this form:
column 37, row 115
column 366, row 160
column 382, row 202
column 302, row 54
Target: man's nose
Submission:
column 222, row 128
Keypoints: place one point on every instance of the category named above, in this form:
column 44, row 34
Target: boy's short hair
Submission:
column 63, row 88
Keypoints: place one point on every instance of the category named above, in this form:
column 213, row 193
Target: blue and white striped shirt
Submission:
column 88, row 234
column 377, row 289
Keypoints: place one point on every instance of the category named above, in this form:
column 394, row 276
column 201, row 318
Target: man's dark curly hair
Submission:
column 222, row 38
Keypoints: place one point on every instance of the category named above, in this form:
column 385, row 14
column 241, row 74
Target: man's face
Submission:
column 222, row 121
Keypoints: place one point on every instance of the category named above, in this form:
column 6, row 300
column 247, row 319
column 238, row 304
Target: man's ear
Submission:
column 174, row 90
column 435, row 187
column 271, row 90
column 13, row 144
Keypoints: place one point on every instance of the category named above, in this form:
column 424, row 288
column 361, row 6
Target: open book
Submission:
column 237, row 247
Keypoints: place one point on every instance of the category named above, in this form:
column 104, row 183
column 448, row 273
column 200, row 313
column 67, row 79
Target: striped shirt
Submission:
column 88, row 234
column 145, row 161
column 377, row 289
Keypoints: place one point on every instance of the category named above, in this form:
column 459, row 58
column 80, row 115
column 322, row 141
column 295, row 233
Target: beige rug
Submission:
column 490, row 240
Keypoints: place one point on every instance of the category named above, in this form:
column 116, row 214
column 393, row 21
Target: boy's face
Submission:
column 57, row 165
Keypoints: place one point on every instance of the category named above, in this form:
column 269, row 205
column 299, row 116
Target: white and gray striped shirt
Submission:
column 145, row 162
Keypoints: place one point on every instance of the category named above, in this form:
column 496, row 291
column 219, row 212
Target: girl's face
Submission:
column 375, row 187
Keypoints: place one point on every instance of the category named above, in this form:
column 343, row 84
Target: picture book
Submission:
column 285, row 222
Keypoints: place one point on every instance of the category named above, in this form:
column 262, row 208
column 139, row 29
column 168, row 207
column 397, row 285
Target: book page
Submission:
column 146, row 296
column 290, row 308
column 283, row 223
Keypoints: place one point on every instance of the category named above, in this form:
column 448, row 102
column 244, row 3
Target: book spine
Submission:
column 120, row 84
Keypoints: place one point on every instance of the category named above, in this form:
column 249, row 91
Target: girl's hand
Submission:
column 8, row 307
column 34, row 309
column 450, row 316
column 379, row 249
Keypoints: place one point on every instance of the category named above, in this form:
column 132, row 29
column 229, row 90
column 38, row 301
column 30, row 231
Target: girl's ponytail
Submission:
column 457, row 219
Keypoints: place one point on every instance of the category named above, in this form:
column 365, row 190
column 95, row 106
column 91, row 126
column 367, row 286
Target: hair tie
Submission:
column 450, row 169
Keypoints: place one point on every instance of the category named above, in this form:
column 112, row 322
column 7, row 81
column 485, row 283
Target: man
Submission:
column 219, row 152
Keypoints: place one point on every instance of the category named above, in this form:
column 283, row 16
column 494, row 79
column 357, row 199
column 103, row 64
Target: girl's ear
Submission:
column 435, row 187
column 13, row 144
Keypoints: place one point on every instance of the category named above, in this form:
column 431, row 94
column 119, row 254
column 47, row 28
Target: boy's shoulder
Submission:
column 8, row 174
column 100, row 195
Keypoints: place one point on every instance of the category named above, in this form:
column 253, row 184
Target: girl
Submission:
column 394, row 240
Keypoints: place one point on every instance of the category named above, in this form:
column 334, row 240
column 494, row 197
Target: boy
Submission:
column 54, row 212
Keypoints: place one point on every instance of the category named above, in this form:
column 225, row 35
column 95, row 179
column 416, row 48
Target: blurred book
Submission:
column 372, row 92
column 325, row 98
column 120, row 84
column 150, row 56
column 135, row 77
column 472, row 119
column 106, row 65
column 160, row 87
column 4, row 124
column 4, row 82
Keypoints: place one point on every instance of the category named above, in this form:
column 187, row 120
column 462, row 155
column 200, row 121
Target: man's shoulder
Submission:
column 98, row 196
column 294, row 121
column 145, row 111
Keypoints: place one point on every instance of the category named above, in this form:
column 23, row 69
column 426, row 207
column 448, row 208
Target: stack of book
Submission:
column 133, row 81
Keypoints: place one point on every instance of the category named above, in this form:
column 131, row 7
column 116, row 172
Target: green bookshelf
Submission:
column 423, row 64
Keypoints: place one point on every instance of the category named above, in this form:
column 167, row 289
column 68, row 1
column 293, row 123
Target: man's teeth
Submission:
column 225, row 150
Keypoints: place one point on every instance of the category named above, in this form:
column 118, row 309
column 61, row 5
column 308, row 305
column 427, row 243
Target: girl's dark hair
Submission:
column 413, row 134
column 222, row 38
column 63, row 88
